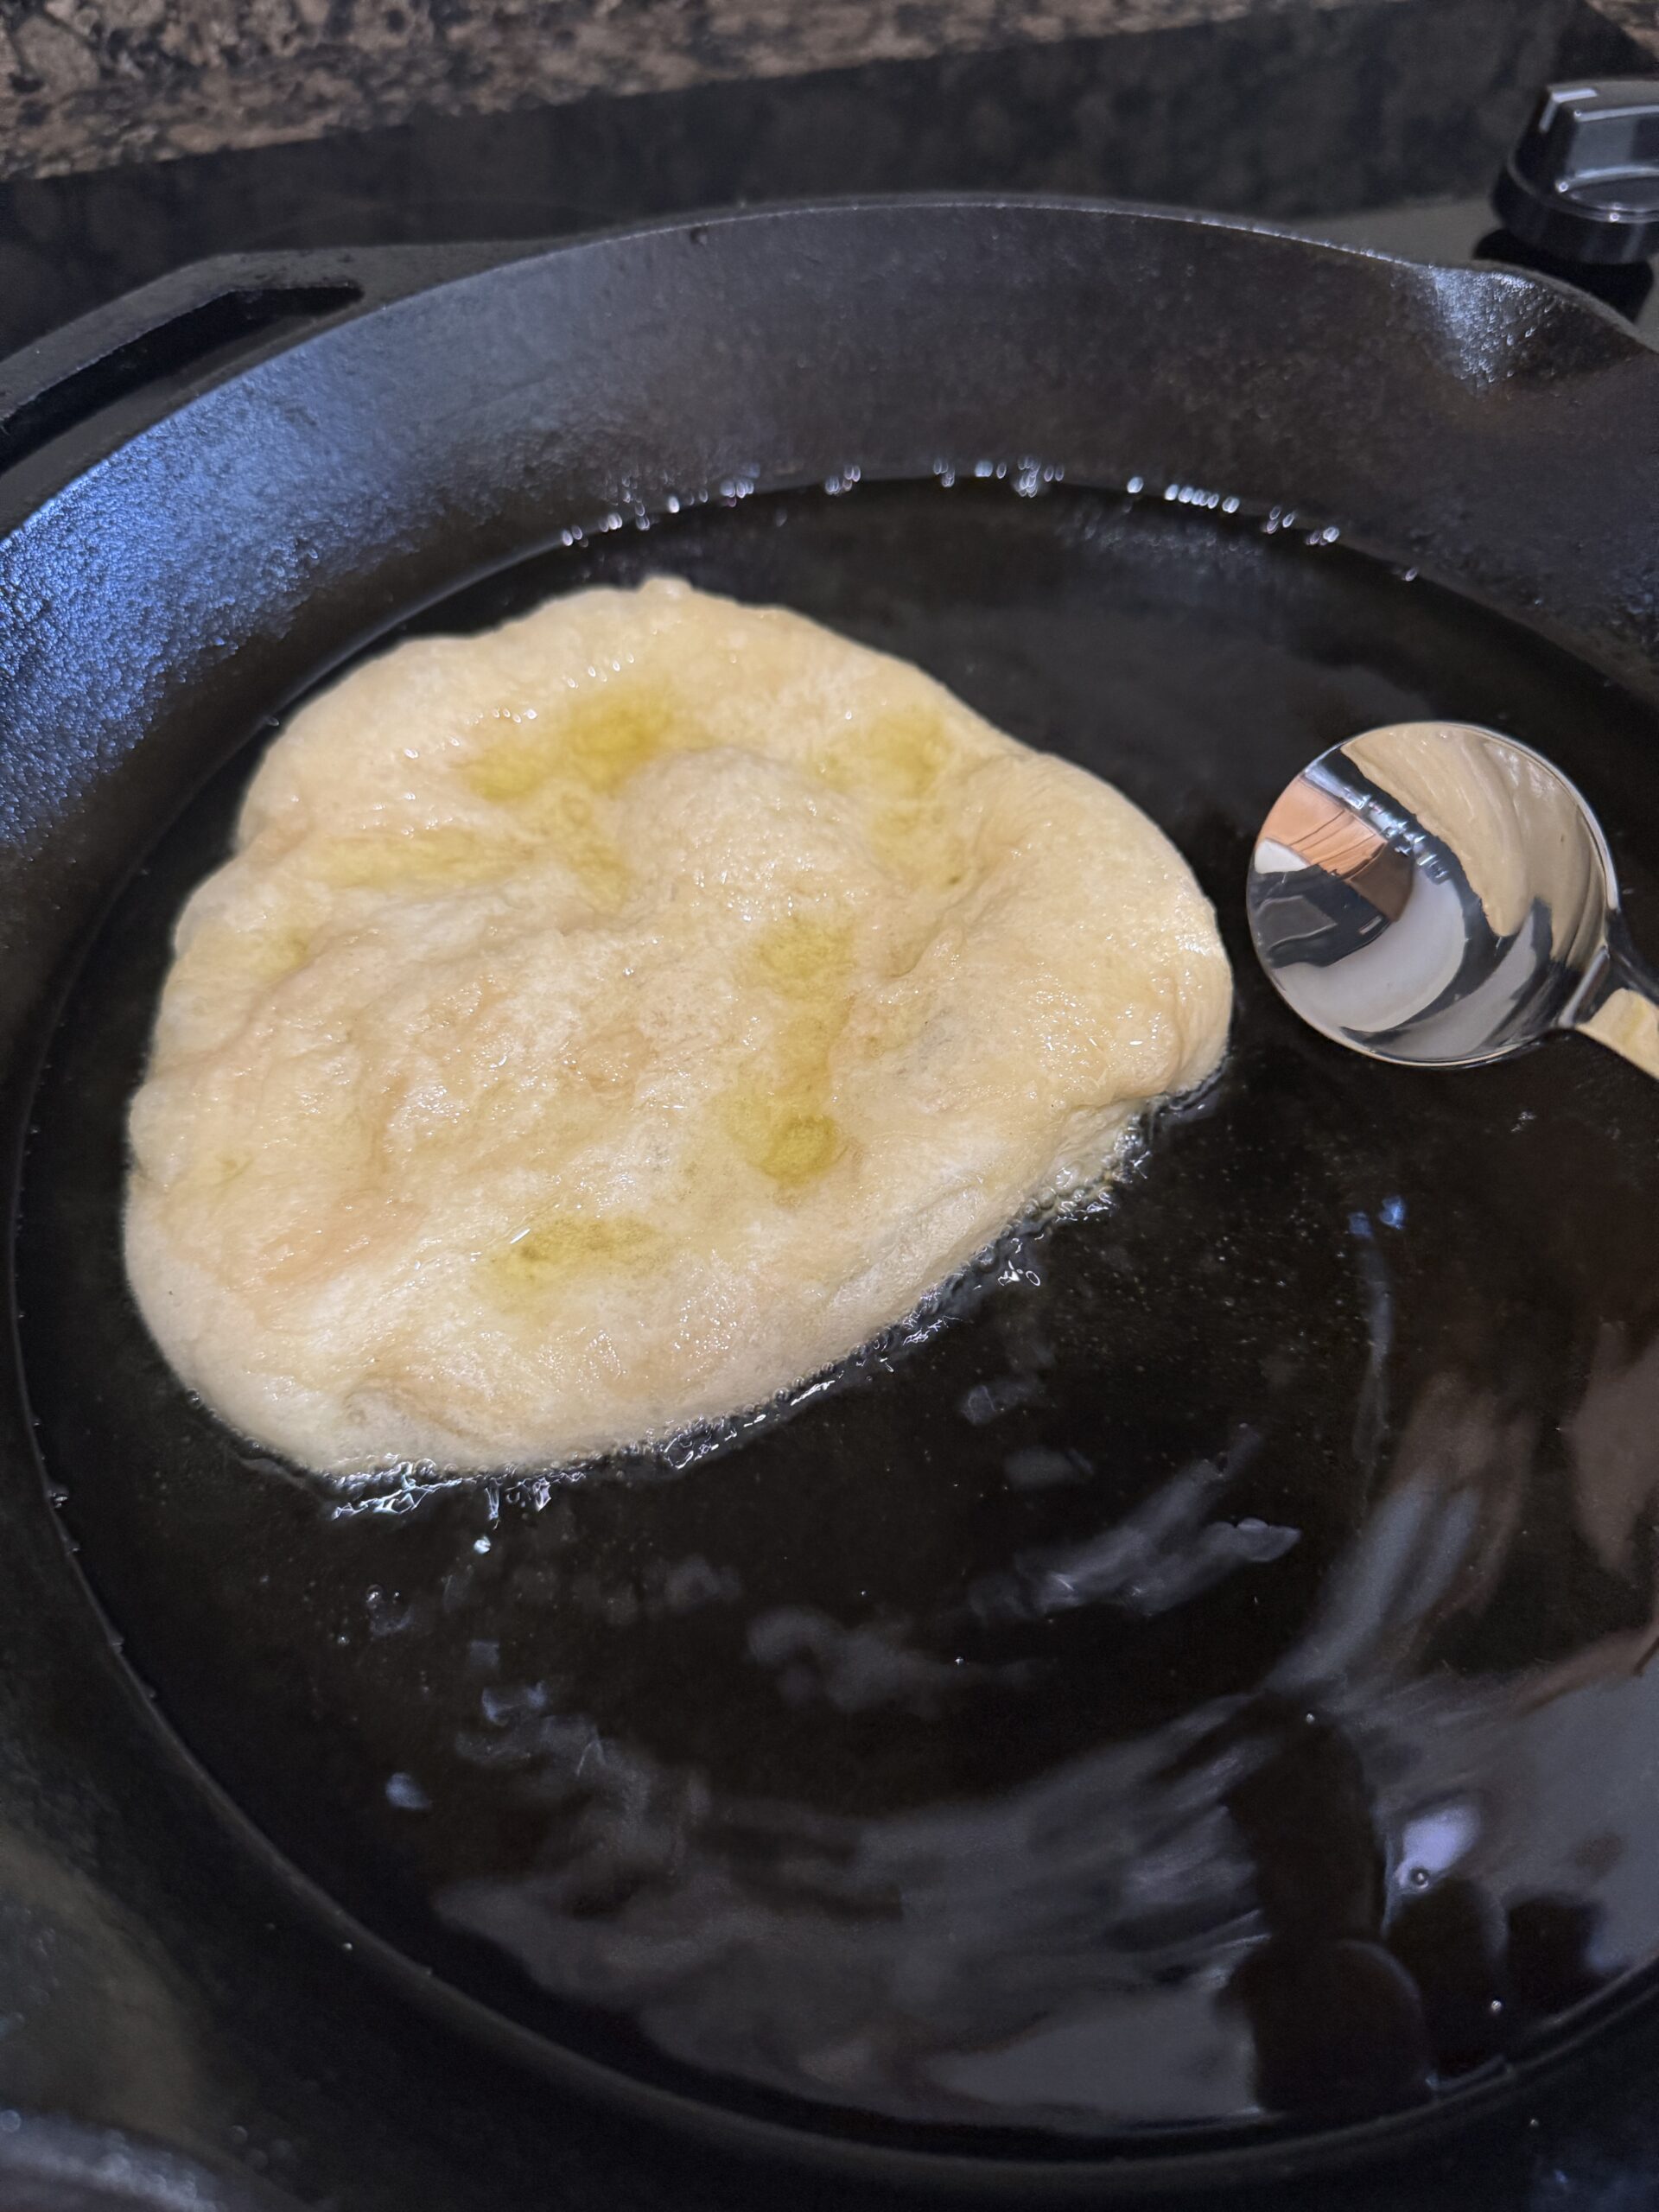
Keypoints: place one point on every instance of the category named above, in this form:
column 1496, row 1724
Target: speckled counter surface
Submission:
column 95, row 81
column 87, row 84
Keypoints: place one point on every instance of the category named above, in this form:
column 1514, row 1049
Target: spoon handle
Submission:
column 1623, row 1014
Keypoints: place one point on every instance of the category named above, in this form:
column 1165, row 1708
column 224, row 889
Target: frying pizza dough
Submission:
column 608, row 1022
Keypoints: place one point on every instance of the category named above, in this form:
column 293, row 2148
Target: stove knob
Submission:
column 1583, row 184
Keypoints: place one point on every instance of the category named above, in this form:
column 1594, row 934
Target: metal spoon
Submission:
column 1435, row 893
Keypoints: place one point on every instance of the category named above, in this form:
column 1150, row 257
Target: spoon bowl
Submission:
column 1439, row 894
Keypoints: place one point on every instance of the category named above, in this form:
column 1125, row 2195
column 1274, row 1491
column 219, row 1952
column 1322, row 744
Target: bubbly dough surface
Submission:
column 605, row 1023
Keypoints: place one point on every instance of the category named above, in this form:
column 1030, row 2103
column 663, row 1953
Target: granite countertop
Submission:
column 88, row 84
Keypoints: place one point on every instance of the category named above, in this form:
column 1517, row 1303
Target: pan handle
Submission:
column 194, row 320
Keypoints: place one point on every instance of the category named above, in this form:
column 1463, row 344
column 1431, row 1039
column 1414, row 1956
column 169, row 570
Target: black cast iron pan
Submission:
column 1184, row 1722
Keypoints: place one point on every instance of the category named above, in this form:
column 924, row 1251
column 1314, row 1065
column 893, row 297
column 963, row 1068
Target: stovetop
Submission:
column 1374, row 125
column 1381, row 125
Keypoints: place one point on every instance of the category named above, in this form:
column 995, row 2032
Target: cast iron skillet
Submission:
column 1191, row 1704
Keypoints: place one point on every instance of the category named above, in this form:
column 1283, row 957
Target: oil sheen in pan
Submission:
column 1202, row 1683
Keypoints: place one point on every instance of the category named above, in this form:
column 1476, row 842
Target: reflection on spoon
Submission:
column 1434, row 894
